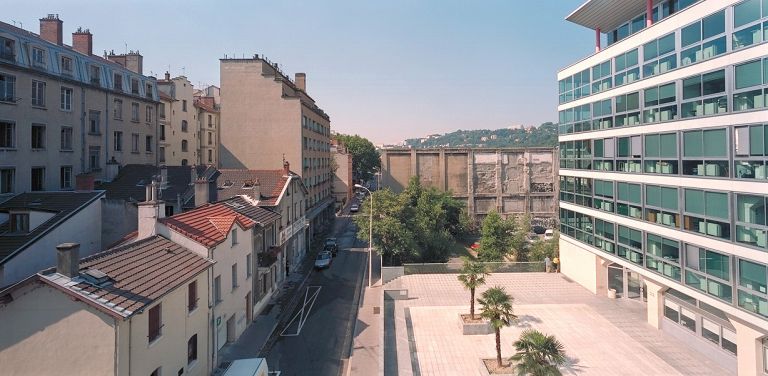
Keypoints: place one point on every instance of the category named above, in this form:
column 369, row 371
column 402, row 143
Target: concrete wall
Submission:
column 584, row 267
column 83, row 227
column 119, row 218
column 508, row 180
column 47, row 333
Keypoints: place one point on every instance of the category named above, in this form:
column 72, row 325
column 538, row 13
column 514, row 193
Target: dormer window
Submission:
column 118, row 82
column 19, row 222
column 95, row 74
column 38, row 57
column 228, row 184
column 66, row 65
column 7, row 50
column 134, row 86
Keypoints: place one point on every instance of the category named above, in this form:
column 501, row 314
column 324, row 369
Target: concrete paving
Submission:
column 601, row 336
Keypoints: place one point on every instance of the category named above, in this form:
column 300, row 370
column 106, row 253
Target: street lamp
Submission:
column 370, row 235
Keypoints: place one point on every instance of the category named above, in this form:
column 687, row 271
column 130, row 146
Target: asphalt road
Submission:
column 317, row 341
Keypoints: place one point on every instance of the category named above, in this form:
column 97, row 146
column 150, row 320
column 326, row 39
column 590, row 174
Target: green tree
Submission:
column 543, row 248
column 518, row 242
column 496, row 306
column 494, row 238
column 472, row 276
column 365, row 157
column 538, row 354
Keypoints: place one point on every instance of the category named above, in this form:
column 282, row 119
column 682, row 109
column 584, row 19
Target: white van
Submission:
column 248, row 367
column 549, row 234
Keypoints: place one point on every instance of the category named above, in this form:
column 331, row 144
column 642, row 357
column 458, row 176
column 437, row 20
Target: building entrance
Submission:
column 626, row 283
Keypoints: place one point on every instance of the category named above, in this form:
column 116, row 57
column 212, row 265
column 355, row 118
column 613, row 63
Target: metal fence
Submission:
column 390, row 273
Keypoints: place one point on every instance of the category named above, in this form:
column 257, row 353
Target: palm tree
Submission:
column 496, row 306
column 538, row 354
column 472, row 276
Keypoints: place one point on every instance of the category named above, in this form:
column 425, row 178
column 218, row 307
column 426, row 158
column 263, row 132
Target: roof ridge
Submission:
column 223, row 223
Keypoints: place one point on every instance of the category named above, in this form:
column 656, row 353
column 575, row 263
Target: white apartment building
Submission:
column 663, row 168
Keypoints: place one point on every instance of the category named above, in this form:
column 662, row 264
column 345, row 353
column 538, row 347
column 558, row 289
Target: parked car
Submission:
column 475, row 246
column 549, row 234
column 538, row 230
column 323, row 260
column 331, row 245
column 354, row 208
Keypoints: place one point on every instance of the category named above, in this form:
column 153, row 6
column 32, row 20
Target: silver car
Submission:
column 323, row 260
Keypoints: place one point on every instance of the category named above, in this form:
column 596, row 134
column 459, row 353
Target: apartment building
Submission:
column 267, row 119
column 179, row 123
column 208, row 130
column 65, row 111
column 342, row 174
column 139, row 309
column 663, row 152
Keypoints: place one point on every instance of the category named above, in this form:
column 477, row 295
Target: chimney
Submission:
column 149, row 212
column 167, row 76
column 256, row 190
column 134, row 62
column 113, row 167
column 82, row 41
column 51, row 29
column 301, row 81
column 286, row 168
column 84, row 182
column 202, row 193
column 163, row 176
column 68, row 259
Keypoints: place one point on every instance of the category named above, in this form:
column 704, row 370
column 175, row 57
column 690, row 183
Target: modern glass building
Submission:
column 664, row 168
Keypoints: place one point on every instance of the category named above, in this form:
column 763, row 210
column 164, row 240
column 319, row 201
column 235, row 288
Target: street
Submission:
column 316, row 339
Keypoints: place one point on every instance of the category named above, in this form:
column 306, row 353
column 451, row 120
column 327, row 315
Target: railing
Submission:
column 293, row 228
column 390, row 273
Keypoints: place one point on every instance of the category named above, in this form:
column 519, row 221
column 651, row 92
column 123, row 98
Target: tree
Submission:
column 472, row 276
column 520, row 227
column 543, row 248
column 365, row 158
column 496, row 306
column 494, row 239
column 538, row 354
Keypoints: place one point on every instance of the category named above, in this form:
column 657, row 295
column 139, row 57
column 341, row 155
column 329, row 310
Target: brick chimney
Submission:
column 68, row 259
column 150, row 211
column 134, row 62
column 82, row 41
column 256, row 194
column 301, row 81
column 286, row 168
column 167, row 76
column 51, row 29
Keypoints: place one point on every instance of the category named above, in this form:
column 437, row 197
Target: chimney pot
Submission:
column 167, row 76
column 286, row 168
column 68, row 259
column 51, row 29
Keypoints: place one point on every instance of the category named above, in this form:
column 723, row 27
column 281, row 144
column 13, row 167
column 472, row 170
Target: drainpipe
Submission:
column 82, row 129
column 106, row 129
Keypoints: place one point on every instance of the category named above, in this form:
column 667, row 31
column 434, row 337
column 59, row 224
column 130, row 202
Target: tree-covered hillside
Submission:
column 543, row 135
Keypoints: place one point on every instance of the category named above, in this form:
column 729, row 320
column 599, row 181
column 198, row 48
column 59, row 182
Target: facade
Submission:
column 511, row 181
column 65, row 111
column 342, row 174
column 663, row 153
column 117, row 315
column 32, row 225
column 208, row 130
column 180, row 123
column 280, row 122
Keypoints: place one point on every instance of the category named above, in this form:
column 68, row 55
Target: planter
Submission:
column 478, row 327
column 488, row 368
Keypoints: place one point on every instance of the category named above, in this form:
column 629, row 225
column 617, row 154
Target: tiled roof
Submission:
column 204, row 103
column 209, row 224
column 165, row 97
column 139, row 274
column 248, row 208
column 272, row 184
column 130, row 182
column 62, row 204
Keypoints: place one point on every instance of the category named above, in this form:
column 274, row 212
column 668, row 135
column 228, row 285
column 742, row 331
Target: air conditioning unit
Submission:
column 714, row 229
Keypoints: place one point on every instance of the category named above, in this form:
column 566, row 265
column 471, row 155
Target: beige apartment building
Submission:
column 342, row 174
column 65, row 111
column 208, row 130
column 266, row 119
column 179, row 127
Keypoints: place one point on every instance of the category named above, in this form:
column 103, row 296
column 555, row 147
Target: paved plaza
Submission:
column 601, row 336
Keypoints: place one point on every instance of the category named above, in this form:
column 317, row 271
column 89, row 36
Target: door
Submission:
column 616, row 279
column 634, row 285
column 248, row 308
column 231, row 328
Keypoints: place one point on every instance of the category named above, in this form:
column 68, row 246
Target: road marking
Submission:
column 310, row 296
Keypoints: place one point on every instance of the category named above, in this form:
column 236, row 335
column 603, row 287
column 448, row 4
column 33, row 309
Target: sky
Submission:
column 384, row 69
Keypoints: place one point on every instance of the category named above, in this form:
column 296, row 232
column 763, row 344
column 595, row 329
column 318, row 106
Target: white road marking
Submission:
column 310, row 296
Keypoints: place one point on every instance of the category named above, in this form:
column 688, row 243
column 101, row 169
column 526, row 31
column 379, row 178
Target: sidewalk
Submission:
column 367, row 348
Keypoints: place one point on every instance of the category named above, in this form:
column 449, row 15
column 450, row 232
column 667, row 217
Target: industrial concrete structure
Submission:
column 511, row 181
column 663, row 169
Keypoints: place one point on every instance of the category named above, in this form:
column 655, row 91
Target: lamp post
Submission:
column 370, row 235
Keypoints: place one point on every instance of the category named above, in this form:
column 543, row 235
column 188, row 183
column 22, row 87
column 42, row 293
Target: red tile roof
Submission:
column 205, row 103
column 165, row 96
column 208, row 225
column 272, row 183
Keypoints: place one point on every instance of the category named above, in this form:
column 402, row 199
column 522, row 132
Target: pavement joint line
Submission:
column 303, row 314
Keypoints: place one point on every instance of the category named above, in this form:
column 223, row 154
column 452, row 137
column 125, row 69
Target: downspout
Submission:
column 117, row 346
column 82, row 129
column 106, row 130
column 212, row 304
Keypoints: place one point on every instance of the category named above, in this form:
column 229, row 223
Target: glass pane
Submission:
column 623, row 146
column 713, row 25
column 717, row 204
column 718, row 265
column 750, row 209
column 667, row 93
column 633, row 101
column 752, row 276
column 651, row 97
column 649, row 51
column 713, row 48
column 653, row 195
column 631, row 58
column 669, row 198
column 620, row 62
column 746, row 12
column 715, row 143
column 669, row 145
column 667, row 43
column 694, row 201
column 748, row 74
column 692, row 145
column 652, row 145
column 691, row 34
column 713, row 83
column 691, row 87
column 756, row 145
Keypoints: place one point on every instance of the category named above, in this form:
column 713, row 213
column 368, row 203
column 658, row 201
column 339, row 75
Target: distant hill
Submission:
column 543, row 135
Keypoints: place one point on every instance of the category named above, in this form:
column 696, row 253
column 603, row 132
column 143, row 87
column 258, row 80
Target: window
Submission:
column 601, row 114
column 708, row 90
column 38, row 179
column 605, row 236
column 19, row 222
column 161, row 154
column 94, row 156
column 38, row 93
column 66, row 138
column 118, row 82
column 705, row 153
column 149, row 114
column 627, row 70
column 66, row 65
column 7, row 49
column 210, row 156
column 149, row 143
column 662, row 205
column 148, row 91
column 628, row 153
column 7, row 88
column 192, row 349
column 703, row 39
column 660, row 152
column 66, row 99
column 95, row 74
column 630, row 244
column 750, row 152
column 38, row 136
column 751, row 223
column 155, row 322
column 118, row 141
column 659, row 56
column 6, row 180
column 708, row 271
column 162, row 132
column 234, row 237
column 217, row 289
column 570, row 88
column 134, row 86
column 184, row 105
column 753, row 287
column 184, row 126
column 748, row 94
column 210, row 138
column 65, row 177
column 94, row 120
column 248, row 266
column 161, row 111
column 627, row 109
column 7, row 135
column 660, row 104
column 601, row 77
column 707, row 213
column 134, row 143
column 210, row 121
column 134, row 112
column 234, row 276
column 118, row 109
column 663, row 256
column 192, row 296
column 38, row 57
column 748, row 29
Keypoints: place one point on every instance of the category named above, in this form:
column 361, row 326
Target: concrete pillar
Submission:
column 442, row 179
column 648, row 13
column 749, row 343
column 471, row 183
column 499, row 190
column 655, row 304
column 597, row 40
column 414, row 164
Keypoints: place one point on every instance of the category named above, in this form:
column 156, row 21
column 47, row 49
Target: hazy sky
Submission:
column 384, row 69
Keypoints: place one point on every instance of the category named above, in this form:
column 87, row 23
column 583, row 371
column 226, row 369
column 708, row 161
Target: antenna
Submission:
column 183, row 71
column 126, row 47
